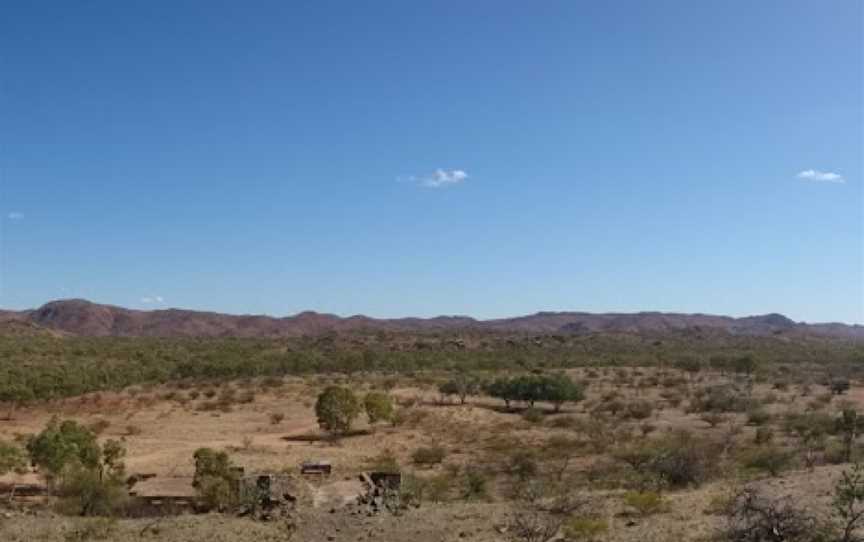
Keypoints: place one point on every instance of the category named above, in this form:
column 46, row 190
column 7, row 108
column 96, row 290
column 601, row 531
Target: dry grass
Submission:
column 162, row 427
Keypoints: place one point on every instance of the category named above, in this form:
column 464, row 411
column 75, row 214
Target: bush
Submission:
column 585, row 529
column 428, row 456
column 723, row 398
column 86, row 530
column 86, row 492
column 770, row 459
column 523, row 464
column 384, row 462
column 474, row 484
column 839, row 386
column 680, row 460
column 758, row 416
column 99, row 426
column 713, row 419
column 276, row 418
column 532, row 415
column 378, row 406
column 645, row 503
column 215, row 479
column 11, row 458
column 754, row 518
column 639, row 410
column 848, row 502
column 461, row 386
column 764, row 435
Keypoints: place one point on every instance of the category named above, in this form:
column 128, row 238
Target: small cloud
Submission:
column 152, row 300
column 821, row 176
column 440, row 178
column 15, row 216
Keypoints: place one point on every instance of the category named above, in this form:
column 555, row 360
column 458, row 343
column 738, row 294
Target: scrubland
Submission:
column 684, row 446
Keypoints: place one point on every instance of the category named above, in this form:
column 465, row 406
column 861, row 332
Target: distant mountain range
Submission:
column 80, row 317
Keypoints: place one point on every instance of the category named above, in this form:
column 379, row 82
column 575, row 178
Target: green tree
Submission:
column 559, row 389
column 378, row 406
column 88, row 477
column 14, row 393
column 336, row 409
column 502, row 388
column 63, row 445
column 462, row 385
column 11, row 458
column 216, row 479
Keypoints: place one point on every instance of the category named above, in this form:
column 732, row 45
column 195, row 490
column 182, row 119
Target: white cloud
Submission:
column 14, row 215
column 821, row 176
column 152, row 299
column 440, row 178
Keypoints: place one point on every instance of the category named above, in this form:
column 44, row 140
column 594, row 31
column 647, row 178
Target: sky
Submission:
column 393, row 158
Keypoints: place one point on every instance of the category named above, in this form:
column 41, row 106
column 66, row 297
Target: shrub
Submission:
column 674, row 399
column 681, row 460
column 585, row 529
column 378, row 406
column 474, row 484
column 722, row 398
column 639, row 410
column 438, row 487
column 11, row 458
column 754, row 518
column 276, row 418
column 215, row 479
column 523, row 464
column 86, row 530
column 99, row 426
column 384, row 462
column 645, row 503
column 758, row 416
column 428, row 456
column 764, row 435
column 676, row 460
column 532, row 415
column 770, row 459
column 713, row 419
column 87, row 492
column 781, row 385
column 839, row 386
column 564, row 422
column 462, row 385
column 848, row 502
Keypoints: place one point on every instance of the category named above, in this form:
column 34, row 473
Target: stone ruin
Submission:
column 382, row 492
column 268, row 496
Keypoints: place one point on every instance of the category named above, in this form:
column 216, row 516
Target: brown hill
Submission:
column 82, row 317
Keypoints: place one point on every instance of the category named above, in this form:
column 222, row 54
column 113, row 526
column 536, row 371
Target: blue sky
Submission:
column 398, row 158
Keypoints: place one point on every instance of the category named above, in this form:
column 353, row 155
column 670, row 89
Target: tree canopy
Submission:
column 336, row 409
